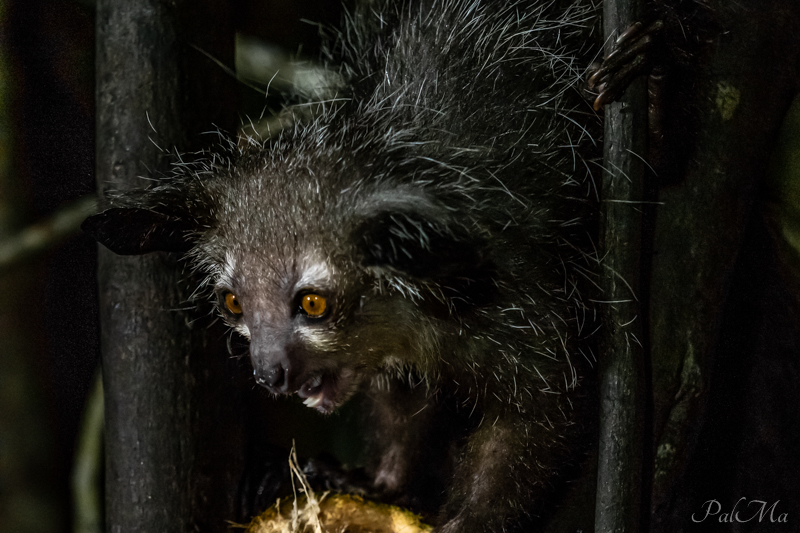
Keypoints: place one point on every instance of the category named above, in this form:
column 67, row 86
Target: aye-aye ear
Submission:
column 413, row 244
column 135, row 231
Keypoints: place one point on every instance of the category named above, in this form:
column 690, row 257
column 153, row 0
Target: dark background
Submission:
column 51, row 300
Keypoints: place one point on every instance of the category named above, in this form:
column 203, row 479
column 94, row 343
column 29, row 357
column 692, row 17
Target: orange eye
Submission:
column 233, row 303
column 314, row 305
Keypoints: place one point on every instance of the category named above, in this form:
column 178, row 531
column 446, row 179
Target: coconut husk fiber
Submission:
column 332, row 513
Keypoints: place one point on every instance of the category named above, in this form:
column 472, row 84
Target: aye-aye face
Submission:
column 292, row 313
column 324, row 294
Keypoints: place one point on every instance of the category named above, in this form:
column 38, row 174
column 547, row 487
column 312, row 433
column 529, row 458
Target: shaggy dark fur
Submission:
column 437, row 201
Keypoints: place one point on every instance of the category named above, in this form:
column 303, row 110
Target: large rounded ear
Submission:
column 417, row 245
column 136, row 231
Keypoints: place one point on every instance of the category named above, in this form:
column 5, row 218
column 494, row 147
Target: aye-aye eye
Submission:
column 314, row 305
column 232, row 303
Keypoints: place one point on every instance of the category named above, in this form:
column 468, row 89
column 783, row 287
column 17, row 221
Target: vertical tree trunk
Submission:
column 168, row 403
column 746, row 80
column 619, row 471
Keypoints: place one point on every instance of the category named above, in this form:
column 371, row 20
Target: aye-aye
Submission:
column 423, row 237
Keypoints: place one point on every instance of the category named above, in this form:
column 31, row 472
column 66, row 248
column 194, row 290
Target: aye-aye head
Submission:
column 329, row 277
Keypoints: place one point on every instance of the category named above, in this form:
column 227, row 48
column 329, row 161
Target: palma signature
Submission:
column 742, row 511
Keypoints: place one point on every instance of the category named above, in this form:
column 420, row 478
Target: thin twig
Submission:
column 47, row 233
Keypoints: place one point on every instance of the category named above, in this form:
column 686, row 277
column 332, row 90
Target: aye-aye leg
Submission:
column 508, row 463
column 400, row 420
column 400, row 437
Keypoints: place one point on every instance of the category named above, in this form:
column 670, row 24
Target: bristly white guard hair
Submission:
column 440, row 202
